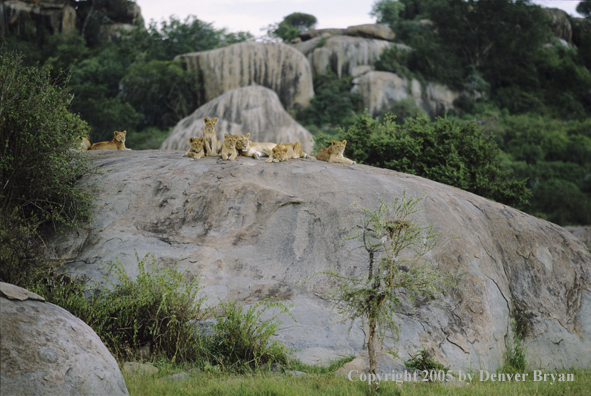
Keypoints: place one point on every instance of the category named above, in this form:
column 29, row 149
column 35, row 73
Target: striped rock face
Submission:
column 253, row 230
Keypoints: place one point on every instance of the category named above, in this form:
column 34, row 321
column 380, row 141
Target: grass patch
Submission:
column 201, row 383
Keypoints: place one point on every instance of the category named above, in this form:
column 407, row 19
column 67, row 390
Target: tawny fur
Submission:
column 284, row 151
column 253, row 149
column 197, row 149
column 118, row 143
column 229, row 151
column 334, row 153
column 84, row 143
column 211, row 143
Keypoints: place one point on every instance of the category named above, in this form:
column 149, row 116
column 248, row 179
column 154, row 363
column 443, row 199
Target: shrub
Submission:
column 158, row 308
column 423, row 360
column 449, row 151
column 242, row 340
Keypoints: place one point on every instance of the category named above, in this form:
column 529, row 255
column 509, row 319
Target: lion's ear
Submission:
column 247, row 135
column 226, row 136
column 334, row 142
column 124, row 132
column 215, row 119
column 191, row 140
column 344, row 142
column 206, row 119
column 284, row 149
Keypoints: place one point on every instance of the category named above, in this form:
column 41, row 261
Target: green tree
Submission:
column 387, row 12
column 291, row 26
column 584, row 8
column 449, row 151
column 396, row 245
column 163, row 91
column 38, row 164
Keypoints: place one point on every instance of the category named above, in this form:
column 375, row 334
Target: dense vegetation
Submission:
column 526, row 94
column 38, row 167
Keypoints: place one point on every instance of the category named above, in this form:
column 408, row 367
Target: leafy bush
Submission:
column 423, row 360
column 158, row 308
column 291, row 26
column 38, row 133
column 333, row 102
column 242, row 340
column 449, row 151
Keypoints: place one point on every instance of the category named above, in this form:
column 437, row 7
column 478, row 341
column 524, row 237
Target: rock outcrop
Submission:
column 379, row 90
column 57, row 16
column 560, row 24
column 273, row 65
column 254, row 230
column 372, row 31
column 342, row 54
column 255, row 110
column 48, row 351
column 64, row 16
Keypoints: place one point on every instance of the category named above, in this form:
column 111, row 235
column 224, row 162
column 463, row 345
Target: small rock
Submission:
column 136, row 368
column 296, row 373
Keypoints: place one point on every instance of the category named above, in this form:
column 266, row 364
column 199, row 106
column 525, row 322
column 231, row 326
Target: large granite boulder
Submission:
column 48, row 351
column 379, row 90
column 342, row 54
column 253, row 230
column 255, row 110
column 560, row 24
column 57, row 16
column 273, row 65
column 370, row 30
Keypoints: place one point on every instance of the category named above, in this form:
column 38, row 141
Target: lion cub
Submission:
column 212, row 145
column 118, row 143
column 253, row 149
column 196, row 150
column 229, row 151
column 284, row 151
column 84, row 143
column 334, row 153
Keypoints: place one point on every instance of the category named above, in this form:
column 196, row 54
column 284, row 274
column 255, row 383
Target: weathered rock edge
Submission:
column 255, row 110
column 273, row 65
column 48, row 351
column 254, row 230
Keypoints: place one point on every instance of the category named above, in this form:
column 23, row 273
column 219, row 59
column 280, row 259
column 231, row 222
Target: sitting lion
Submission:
column 118, row 143
column 334, row 153
column 229, row 151
column 210, row 140
column 253, row 149
column 197, row 149
column 284, row 151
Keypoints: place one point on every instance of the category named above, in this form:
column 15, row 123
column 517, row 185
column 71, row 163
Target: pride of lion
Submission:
column 235, row 145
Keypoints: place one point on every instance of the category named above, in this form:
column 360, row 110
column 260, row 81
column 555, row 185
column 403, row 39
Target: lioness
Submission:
column 196, row 150
column 284, row 151
column 334, row 153
column 212, row 145
column 253, row 149
column 229, row 147
column 118, row 143
column 84, row 143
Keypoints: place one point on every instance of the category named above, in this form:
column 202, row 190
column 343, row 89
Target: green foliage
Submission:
column 333, row 102
column 396, row 245
column 402, row 111
column 158, row 308
column 515, row 361
column 423, row 360
column 387, row 12
column 584, row 8
column 242, row 340
column 38, row 132
column 292, row 25
column 449, row 151
column 163, row 91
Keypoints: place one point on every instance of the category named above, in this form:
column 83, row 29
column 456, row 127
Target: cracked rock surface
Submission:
column 48, row 351
column 254, row 230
